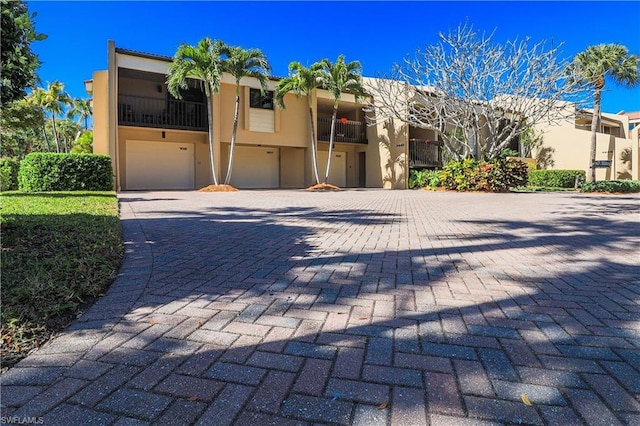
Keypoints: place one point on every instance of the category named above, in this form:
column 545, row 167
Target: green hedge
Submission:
column 9, row 174
column 612, row 186
column 556, row 178
column 42, row 171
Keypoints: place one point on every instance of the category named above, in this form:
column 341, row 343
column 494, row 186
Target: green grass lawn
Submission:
column 60, row 251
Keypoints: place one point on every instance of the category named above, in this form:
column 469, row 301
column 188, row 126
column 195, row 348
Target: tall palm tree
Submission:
column 57, row 99
column 591, row 67
column 302, row 81
column 80, row 108
column 240, row 63
column 203, row 61
column 53, row 99
column 37, row 98
column 340, row 78
column 68, row 131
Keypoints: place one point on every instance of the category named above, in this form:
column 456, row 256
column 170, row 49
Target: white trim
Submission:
column 142, row 64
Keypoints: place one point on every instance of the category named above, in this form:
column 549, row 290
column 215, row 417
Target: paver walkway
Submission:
column 359, row 307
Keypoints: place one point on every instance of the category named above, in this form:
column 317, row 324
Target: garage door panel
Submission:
column 338, row 172
column 256, row 167
column 159, row 165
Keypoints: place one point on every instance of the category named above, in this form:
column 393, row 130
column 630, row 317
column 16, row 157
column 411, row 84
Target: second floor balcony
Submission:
column 425, row 153
column 146, row 111
column 346, row 131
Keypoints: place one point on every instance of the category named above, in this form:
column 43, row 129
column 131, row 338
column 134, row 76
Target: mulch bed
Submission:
column 323, row 187
column 218, row 188
column 229, row 188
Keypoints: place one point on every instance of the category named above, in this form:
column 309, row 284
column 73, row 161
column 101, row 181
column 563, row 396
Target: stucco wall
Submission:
column 387, row 155
column 565, row 147
column 100, row 116
column 291, row 124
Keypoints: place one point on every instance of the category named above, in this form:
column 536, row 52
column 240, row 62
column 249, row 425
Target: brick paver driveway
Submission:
column 358, row 307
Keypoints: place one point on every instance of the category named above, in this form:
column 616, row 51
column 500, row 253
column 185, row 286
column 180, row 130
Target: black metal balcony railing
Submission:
column 345, row 131
column 424, row 153
column 145, row 111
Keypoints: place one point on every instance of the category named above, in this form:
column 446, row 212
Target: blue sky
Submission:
column 377, row 34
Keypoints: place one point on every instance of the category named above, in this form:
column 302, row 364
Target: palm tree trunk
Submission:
column 227, row 179
column 595, row 124
column 314, row 149
column 46, row 138
column 210, row 118
column 55, row 132
column 333, row 128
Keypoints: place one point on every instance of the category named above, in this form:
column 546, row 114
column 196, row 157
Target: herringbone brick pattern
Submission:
column 360, row 307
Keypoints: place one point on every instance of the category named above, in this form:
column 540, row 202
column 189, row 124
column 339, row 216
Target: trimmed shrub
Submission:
column 625, row 186
column 40, row 172
column 9, row 174
column 556, row 178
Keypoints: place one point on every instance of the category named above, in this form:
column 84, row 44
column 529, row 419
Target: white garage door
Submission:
column 338, row 172
column 256, row 167
column 160, row 165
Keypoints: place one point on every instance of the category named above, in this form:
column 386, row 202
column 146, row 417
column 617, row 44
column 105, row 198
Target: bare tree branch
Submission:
column 476, row 94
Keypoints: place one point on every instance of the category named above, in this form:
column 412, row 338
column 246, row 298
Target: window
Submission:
column 260, row 100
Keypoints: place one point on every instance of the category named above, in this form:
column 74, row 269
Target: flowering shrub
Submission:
column 496, row 176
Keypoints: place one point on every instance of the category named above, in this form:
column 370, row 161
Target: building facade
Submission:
column 158, row 142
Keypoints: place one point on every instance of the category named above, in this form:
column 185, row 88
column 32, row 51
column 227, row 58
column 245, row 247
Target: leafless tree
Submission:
column 478, row 95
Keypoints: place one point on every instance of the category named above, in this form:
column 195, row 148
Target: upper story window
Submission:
column 257, row 99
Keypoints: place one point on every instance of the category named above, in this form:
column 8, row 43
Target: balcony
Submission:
column 347, row 131
column 143, row 111
column 425, row 154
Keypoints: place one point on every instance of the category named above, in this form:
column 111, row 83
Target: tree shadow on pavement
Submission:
column 309, row 315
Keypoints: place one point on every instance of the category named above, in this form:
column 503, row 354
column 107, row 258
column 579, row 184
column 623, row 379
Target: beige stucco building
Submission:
column 566, row 144
column 159, row 142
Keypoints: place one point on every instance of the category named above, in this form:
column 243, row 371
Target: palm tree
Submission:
column 56, row 99
column 240, row 63
column 340, row 78
column 37, row 98
column 591, row 67
column 52, row 99
column 68, row 131
column 302, row 81
column 202, row 61
column 80, row 108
